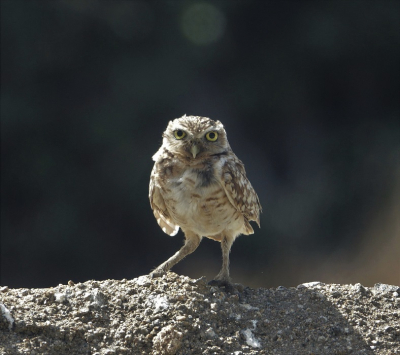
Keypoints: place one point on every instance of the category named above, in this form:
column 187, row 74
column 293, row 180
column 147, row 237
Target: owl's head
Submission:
column 195, row 137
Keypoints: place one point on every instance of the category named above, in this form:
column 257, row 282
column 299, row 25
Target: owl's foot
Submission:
column 222, row 283
column 157, row 273
column 227, row 285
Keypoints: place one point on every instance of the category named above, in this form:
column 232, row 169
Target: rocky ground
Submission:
column 177, row 315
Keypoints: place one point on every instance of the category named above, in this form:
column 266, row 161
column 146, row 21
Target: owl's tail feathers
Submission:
column 166, row 224
column 248, row 228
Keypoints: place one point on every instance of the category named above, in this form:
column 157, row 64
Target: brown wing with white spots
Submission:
column 158, row 206
column 239, row 190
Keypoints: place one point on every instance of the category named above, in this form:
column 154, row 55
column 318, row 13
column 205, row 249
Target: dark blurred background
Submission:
column 308, row 93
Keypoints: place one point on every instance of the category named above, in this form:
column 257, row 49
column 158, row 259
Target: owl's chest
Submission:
column 192, row 186
column 196, row 200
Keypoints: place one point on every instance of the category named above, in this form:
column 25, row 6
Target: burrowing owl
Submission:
column 200, row 185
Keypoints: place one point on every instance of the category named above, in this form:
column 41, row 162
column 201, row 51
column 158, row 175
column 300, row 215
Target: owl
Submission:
column 199, row 185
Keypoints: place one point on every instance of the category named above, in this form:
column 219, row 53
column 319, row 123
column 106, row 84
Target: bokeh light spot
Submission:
column 203, row 23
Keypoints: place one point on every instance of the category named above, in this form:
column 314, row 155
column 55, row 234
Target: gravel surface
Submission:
column 178, row 315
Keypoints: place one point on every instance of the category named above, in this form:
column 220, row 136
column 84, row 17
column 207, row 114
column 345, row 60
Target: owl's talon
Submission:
column 156, row 273
column 229, row 287
column 218, row 283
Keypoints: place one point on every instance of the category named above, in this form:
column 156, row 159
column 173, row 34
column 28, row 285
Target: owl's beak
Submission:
column 194, row 149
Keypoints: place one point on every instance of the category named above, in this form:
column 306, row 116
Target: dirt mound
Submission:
column 178, row 315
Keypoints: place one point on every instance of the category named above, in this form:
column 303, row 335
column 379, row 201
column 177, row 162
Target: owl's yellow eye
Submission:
column 179, row 134
column 212, row 136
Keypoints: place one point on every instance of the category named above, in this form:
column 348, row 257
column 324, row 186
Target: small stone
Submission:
column 360, row 289
column 4, row 289
column 167, row 341
column 210, row 333
column 202, row 280
column 87, row 296
column 60, row 297
column 312, row 284
column 98, row 298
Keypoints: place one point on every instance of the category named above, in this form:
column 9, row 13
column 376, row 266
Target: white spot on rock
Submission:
column 312, row 284
column 158, row 302
column 98, row 299
column 60, row 297
column 143, row 280
column 251, row 340
column 7, row 315
column 167, row 341
column 249, row 307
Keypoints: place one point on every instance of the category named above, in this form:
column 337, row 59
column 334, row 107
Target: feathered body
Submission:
column 199, row 185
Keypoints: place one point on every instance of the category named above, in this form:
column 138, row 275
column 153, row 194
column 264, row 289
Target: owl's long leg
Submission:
column 191, row 243
column 223, row 275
